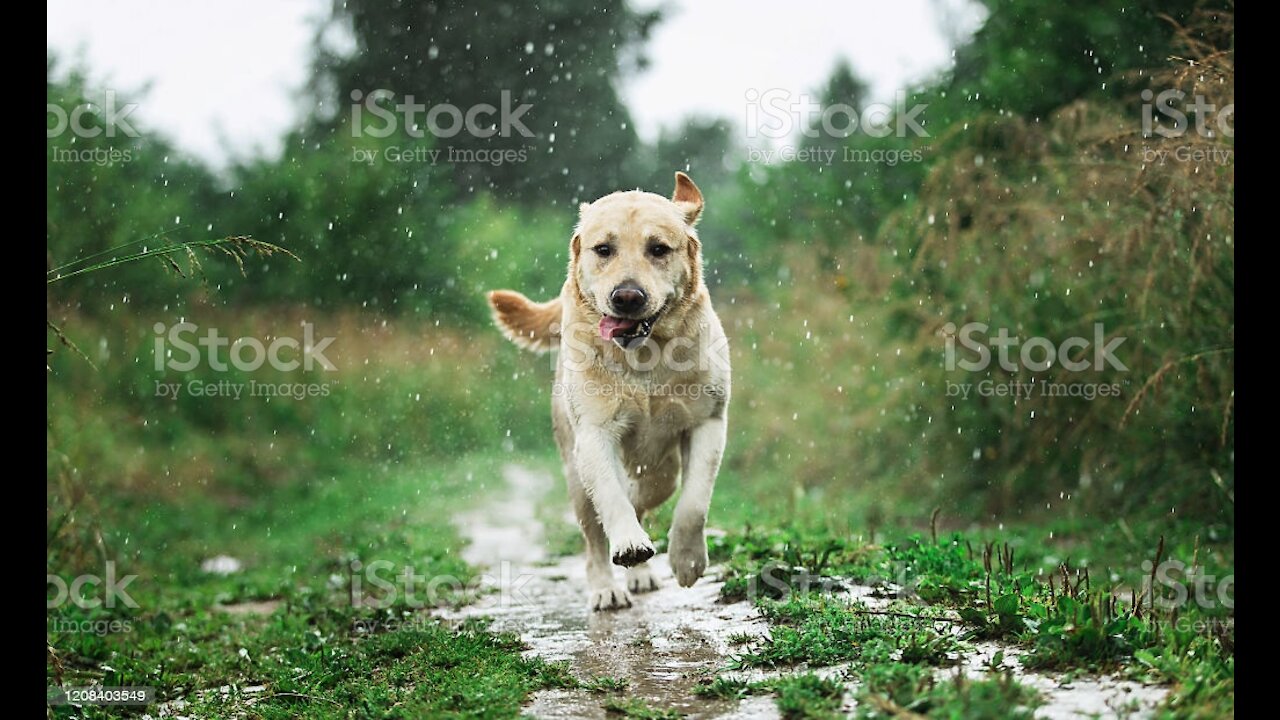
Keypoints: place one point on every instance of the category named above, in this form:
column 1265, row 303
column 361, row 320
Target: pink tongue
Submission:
column 612, row 326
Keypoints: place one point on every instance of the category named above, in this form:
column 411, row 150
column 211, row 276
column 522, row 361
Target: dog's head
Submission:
column 636, row 260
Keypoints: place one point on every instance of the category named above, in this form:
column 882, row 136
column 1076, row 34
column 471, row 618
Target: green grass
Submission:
column 800, row 695
column 606, row 684
column 966, row 587
column 638, row 709
column 809, row 697
column 299, row 492
column 817, row 630
column 314, row 654
column 895, row 689
column 725, row 687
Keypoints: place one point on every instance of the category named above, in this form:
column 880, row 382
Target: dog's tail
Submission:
column 532, row 326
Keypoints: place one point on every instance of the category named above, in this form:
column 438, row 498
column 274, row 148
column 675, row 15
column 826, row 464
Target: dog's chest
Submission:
column 654, row 428
column 667, row 415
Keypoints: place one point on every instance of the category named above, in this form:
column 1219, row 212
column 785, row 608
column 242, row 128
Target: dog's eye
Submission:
column 603, row 250
column 659, row 250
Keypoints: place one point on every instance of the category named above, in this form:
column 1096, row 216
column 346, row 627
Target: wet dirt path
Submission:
column 671, row 638
column 663, row 645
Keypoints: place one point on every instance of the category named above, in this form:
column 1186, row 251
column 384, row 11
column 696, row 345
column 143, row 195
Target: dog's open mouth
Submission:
column 627, row 332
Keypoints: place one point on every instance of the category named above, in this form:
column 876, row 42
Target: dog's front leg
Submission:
column 599, row 456
column 687, row 543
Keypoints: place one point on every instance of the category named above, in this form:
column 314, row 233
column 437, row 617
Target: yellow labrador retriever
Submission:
column 642, row 382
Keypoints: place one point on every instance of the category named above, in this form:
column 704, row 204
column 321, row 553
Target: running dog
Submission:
column 641, row 390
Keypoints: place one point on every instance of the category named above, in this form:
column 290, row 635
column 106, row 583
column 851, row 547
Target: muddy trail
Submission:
column 673, row 638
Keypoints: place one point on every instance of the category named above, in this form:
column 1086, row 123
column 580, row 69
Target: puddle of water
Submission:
column 663, row 644
column 1084, row 697
column 670, row 639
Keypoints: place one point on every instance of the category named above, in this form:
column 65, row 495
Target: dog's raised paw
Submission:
column 609, row 598
column 632, row 554
column 641, row 579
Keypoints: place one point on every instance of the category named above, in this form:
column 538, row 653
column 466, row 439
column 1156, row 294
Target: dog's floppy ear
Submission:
column 688, row 198
column 575, row 245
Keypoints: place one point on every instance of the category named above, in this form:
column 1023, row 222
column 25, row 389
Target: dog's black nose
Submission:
column 627, row 299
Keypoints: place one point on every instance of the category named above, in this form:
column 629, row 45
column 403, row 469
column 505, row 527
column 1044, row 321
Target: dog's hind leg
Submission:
column 603, row 592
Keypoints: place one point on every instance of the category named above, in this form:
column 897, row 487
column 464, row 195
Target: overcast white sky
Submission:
column 223, row 77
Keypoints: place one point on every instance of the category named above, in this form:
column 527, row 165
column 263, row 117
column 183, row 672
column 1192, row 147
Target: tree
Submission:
column 704, row 147
column 563, row 58
column 1033, row 56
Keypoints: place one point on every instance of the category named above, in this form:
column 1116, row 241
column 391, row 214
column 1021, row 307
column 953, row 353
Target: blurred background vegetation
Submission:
column 1032, row 208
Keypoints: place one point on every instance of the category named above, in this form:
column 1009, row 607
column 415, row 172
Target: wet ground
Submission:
column 672, row 638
